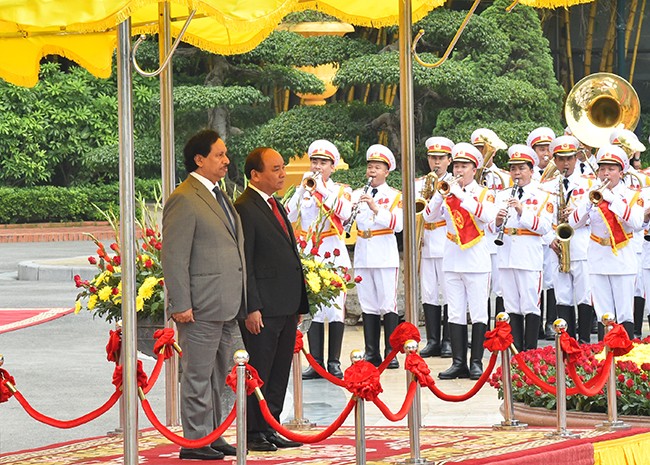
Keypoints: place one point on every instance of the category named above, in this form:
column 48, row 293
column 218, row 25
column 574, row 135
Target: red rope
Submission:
column 389, row 358
column 64, row 424
column 322, row 371
column 408, row 401
column 180, row 440
column 472, row 392
column 155, row 373
column 306, row 438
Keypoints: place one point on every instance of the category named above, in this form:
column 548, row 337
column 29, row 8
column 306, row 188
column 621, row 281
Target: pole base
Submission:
column 416, row 461
column 299, row 424
column 510, row 425
column 562, row 433
column 116, row 432
column 616, row 425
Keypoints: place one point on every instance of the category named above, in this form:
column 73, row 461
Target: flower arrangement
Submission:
column 103, row 294
column 632, row 373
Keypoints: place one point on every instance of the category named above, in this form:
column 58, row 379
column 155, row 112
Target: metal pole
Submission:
column 408, row 195
column 241, row 359
column 120, row 427
column 560, row 396
column 298, row 422
column 509, row 422
column 612, row 423
column 620, row 37
column 360, row 432
column 168, row 181
column 127, row 233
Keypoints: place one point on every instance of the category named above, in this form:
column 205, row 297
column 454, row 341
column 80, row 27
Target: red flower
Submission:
column 92, row 260
column 347, row 277
column 161, row 282
column 149, row 232
column 144, row 246
column 551, row 380
column 115, row 291
column 77, row 280
column 302, row 244
column 538, row 393
column 148, row 264
column 158, row 245
column 327, row 255
column 621, row 378
column 645, row 366
column 92, row 289
column 357, row 279
column 314, row 251
column 115, row 247
column 629, row 383
column 336, row 252
column 117, row 260
column 110, row 268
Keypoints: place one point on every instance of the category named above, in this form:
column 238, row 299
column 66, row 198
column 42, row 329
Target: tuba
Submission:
column 598, row 104
column 549, row 172
column 564, row 231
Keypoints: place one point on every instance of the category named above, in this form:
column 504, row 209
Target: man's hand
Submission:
column 457, row 191
column 608, row 195
column 184, row 317
column 254, row 323
column 516, row 204
column 370, row 201
column 555, row 246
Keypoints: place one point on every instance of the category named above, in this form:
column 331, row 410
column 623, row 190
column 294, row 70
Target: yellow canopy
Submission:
column 84, row 30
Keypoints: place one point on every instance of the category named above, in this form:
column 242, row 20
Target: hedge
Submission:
column 61, row 204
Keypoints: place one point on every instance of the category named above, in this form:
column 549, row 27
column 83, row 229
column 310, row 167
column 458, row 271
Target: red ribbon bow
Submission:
column 362, row 380
column 499, row 338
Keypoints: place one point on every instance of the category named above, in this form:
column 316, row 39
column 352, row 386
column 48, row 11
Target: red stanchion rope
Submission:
column 5, row 392
column 618, row 340
column 180, row 440
column 64, row 424
column 472, row 392
column 306, row 438
column 408, row 401
column 114, row 345
column 322, row 371
column 297, row 347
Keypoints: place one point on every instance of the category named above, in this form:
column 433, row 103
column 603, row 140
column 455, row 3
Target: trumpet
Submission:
column 499, row 239
column 445, row 186
column 355, row 210
column 596, row 195
column 309, row 183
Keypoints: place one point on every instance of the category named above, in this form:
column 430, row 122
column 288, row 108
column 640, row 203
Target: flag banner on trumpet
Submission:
column 467, row 232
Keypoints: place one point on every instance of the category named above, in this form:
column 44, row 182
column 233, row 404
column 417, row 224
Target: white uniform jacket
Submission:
column 376, row 246
column 479, row 203
column 628, row 208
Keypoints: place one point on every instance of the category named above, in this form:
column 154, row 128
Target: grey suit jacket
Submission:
column 203, row 261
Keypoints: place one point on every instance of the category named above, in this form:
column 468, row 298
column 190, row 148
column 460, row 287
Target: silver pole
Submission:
column 408, row 195
column 560, row 395
column 509, row 422
column 298, row 422
column 241, row 359
column 360, row 431
column 168, row 181
column 127, row 233
column 119, row 431
column 612, row 423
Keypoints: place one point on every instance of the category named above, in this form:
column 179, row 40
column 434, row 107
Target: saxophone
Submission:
column 564, row 231
column 428, row 189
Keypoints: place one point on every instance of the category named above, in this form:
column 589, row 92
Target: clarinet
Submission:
column 355, row 210
column 499, row 239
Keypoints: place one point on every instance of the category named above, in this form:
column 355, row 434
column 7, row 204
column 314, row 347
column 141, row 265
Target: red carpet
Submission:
column 475, row 446
column 12, row 319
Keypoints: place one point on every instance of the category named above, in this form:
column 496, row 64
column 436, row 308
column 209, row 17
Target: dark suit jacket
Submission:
column 276, row 285
column 203, row 264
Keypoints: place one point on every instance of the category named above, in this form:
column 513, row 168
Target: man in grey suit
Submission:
column 204, row 267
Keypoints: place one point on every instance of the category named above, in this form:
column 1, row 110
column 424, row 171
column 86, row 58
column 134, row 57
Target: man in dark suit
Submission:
column 205, row 268
column 276, row 295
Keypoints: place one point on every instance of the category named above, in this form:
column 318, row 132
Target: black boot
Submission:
column 629, row 328
column 432, row 319
column 517, row 330
column 499, row 305
column 334, row 343
column 551, row 314
column 530, row 331
column 476, row 359
column 639, row 306
column 316, row 337
column 371, row 334
column 595, row 325
column 568, row 314
column 489, row 312
column 391, row 320
column 601, row 331
column 458, row 368
column 585, row 313
column 445, row 345
column 542, row 299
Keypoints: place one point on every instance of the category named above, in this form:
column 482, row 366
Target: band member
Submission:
column 586, row 164
column 376, row 258
column 524, row 216
column 466, row 207
column 539, row 140
column 571, row 285
column 432, row 287
column 495, row 179
column 614, row 212
column 307, row 206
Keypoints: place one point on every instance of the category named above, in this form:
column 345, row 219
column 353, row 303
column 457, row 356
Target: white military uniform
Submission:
column 466, row 267
column 304, row 208
column 432, row 285
column 376, row 258
column 612, row 266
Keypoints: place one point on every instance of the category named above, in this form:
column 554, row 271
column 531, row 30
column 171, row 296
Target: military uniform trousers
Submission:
column 432, row 282
column 467, row 291
column 377, row 290
column 573, row 287
column 521, row 289
column 495, row 282
column 550, row 268
column 613, row 293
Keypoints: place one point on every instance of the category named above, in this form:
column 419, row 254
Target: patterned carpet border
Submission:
column 11, row 319
column 384, row 445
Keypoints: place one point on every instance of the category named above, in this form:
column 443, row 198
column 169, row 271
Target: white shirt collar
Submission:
column 264, row 195
column 209, row 185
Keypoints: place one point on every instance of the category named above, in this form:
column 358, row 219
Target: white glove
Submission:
column 457, row 191
column 321, row 188
column 608, row 196
column 308, row 174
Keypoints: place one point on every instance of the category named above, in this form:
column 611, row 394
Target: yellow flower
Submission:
column 313, row 281
column 104, row 293
column 77, row 306
column 144, row 257
column 139, row 303
column 92, row 302
column 146, row 290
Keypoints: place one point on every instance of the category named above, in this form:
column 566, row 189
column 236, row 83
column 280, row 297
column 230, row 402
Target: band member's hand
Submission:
column 457, row 191
column 254, row 323
column 322, row 188
column 184, row 317
column 555, row 246
column 370, row 201
column 501, row 216
column 608, row 195
column 516, row 204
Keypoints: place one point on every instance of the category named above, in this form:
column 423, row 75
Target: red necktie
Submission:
column 278, row 216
